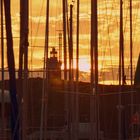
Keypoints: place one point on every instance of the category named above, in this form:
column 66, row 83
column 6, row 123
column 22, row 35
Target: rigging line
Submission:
column 31, row 68
column 135, row 29
column 103, row 55
column 136, row 18
column 56, row 3
column 108, row 19
column 39, row 21
column 125, row 26
column 58, row 28
column 46, row 88
column 57, row 12
column 110, row 48
column 134, row 34
column 101, row 39
column 37, row 26
column 117, row 19
column 108, row 30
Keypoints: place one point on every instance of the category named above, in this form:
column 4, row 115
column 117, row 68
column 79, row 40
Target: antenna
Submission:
column 60, row 44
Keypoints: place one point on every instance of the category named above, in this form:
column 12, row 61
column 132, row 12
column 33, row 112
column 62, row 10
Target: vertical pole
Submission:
column 25, row 82
column 23, row 56
column 121, row 45
column 64, row 40
column 94, row 72
column 131, row 65
column 122, row 75
column 77, row 47
column 67, row 109
column 71, row 44
column 60, row 46
column 121, row 72
column 47, row 71
column 120, row 40
column 77, row 77
column 12, row 78
column 2, row 72
column 71, row 103
column 131, row 44
column 23, row 63
column 47, row 29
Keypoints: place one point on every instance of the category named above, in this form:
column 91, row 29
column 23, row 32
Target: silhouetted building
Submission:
column 54, row 66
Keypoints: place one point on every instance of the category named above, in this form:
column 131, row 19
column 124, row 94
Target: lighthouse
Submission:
column 54, row 66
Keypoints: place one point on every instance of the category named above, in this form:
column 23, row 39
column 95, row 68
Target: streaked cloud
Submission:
column 108, row 27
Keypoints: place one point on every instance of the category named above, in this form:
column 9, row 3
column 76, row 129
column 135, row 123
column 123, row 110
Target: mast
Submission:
column 23, row 54
column 43, row 129
column 94, row 73
column 71, row 45
column 23, row 63
column 47, row 80
column 66, row 108
column 12, row 78
column 131, row 66
column 77, row 76
column 77, row 44
column 64, row 40
column 71, row 86
column 131, row 44
column 47, row 50
column 2, row 72
column 121, row 72
column 121, row 50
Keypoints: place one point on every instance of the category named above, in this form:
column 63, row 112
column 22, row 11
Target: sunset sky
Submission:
column 108, row 31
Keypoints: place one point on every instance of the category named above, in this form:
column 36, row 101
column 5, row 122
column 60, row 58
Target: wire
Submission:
column 37, row 29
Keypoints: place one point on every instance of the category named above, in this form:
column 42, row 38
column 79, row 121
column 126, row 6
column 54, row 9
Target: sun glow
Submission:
column 108, row 33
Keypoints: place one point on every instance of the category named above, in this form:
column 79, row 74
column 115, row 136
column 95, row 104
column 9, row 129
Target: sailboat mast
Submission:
column 71, row 45
column 23, row 54
column 131, row 67
column 121, row 50
column 77, row 76
column 47, row 76
column 71, row 78
column 64, row 40
column 131, row 45
column 121, row 72
column 77, row 45
column 94, row 44
column 94, row 135
column 12, row 77
column 45, row 89
column 2, row 70
column 23, row 63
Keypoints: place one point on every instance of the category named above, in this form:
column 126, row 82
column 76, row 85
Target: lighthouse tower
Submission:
column 54, row 66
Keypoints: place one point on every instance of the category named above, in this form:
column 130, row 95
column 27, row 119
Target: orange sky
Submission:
column 108, row 28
